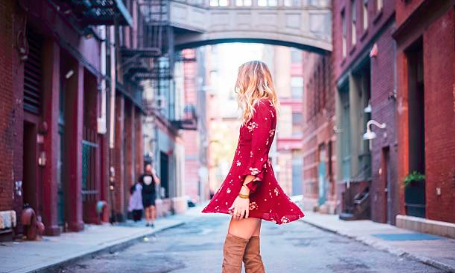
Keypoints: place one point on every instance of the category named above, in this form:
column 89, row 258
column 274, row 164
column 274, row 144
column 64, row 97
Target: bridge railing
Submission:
column 220, row 4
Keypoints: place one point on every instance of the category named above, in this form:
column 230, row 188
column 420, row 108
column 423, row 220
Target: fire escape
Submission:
column 151, row 60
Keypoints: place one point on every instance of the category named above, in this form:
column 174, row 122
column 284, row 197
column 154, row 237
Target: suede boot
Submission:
column 234, row 248
column 252, row 257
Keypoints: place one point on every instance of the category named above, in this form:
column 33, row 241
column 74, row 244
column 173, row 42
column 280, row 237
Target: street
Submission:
column 297, row 247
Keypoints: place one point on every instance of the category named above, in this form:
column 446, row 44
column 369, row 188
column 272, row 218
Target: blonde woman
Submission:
column 250, row 192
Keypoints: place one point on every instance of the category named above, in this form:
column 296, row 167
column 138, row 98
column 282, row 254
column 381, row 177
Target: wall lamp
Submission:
column 369, row 135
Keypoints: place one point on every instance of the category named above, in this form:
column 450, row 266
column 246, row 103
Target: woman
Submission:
column 135, row 206
column 250, row 191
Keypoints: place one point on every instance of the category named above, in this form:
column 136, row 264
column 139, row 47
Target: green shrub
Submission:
column 413, row 177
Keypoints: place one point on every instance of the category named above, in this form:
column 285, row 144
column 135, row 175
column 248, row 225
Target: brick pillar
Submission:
column 73, row 146
column 129, row 135
column 138, row 142
column 51, row 93
column 11, row 111
column 119, row 158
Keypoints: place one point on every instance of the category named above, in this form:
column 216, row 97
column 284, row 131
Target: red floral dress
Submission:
column 267, row 199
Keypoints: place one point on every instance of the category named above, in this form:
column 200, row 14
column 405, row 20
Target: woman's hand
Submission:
column 240, row 208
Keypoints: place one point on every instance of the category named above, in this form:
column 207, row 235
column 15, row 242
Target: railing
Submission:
column 219, row 4
column 89, row 147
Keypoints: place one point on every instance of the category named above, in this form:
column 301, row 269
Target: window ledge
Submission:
column 364, row 35
column 352, row 50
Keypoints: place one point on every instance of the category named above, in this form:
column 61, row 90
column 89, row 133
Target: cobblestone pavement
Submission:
column 197, row 247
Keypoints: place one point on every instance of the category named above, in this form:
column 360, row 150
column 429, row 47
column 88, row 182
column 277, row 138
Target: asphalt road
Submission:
column 196, row 247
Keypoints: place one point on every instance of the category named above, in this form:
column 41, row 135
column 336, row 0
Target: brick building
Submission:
column 60, row 67
column 364, row 77
column 285, row 64
column 193, row 80
column 426, row 114
column 319, row 139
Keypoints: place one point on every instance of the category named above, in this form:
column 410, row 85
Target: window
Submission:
column 267, row 3
column 379, row 5
column 343, row 22
column 219, row 3
column 296, row 87
column 292, row 3
column 297, row 118
column 353, row 23
column 296, row 56
column 243, row 3
column 365, row 14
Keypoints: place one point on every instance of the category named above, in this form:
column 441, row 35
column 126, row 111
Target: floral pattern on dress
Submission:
column 251, row 126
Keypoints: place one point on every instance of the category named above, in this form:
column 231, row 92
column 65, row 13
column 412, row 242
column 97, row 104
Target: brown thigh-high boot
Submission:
column 234, row 248
column 252, row 257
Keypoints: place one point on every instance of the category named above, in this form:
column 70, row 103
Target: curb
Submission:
column 383, row 247
column 58, row 266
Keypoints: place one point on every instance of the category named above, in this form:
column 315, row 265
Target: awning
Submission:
column 101, row 12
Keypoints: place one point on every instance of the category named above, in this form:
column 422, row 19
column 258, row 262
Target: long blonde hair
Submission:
column 254, row 82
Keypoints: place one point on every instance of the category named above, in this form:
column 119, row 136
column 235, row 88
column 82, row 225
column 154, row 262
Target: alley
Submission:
column 298, row 247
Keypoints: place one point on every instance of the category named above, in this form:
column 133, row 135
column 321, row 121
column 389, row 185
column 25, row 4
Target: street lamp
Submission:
column 369, row 135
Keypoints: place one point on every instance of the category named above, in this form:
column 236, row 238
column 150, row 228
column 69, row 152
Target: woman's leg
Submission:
column 152, row 214
column 252, row 257
column 245, row 228
column 239, row 234
column 147, row 215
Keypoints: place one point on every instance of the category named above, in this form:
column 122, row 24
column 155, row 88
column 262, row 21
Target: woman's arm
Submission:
column 155, row 177
column 260, row 127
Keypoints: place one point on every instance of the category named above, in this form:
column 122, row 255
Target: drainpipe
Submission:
column 113, row 88
column 102, row 120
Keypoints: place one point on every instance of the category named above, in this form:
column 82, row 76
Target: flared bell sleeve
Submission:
column 260, row 126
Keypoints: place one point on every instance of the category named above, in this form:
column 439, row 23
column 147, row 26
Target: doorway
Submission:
column 386, row 200
column 164, row 172
column 415, row 191
column 30, row 173
column 322, row 175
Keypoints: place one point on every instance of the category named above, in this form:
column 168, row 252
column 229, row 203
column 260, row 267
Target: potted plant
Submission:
column 415, row 176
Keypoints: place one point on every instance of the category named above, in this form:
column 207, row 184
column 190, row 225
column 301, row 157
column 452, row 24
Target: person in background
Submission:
column 149, row 180
column 135, row 206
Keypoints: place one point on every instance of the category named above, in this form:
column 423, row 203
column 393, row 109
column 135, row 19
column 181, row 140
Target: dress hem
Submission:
column 266, row 216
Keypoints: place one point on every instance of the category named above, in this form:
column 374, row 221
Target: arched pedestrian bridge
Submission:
column 305, row 24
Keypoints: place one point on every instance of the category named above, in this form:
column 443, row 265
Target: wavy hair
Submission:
column 254, row 82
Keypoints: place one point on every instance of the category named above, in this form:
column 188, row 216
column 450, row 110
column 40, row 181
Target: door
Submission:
column 60, row 181
column 164, row 172
column 322, row 176
column 29, row 179
column 386, row 184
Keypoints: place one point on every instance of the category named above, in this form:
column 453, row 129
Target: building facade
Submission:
column 364, row 83
column 319, row 138
column 425, row 72
column 60, row 83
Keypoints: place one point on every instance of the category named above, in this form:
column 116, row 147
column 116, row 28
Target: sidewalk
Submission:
column 429, row 249
column 53, row 252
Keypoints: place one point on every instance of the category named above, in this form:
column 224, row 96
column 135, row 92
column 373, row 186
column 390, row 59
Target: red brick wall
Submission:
column 11, row 108
column 439, row 56
column 376, row 22
column 138, row 144
column 436, row 26
column 119, row 158
column 7, row 105
column 384, row 111
column 405, row 9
